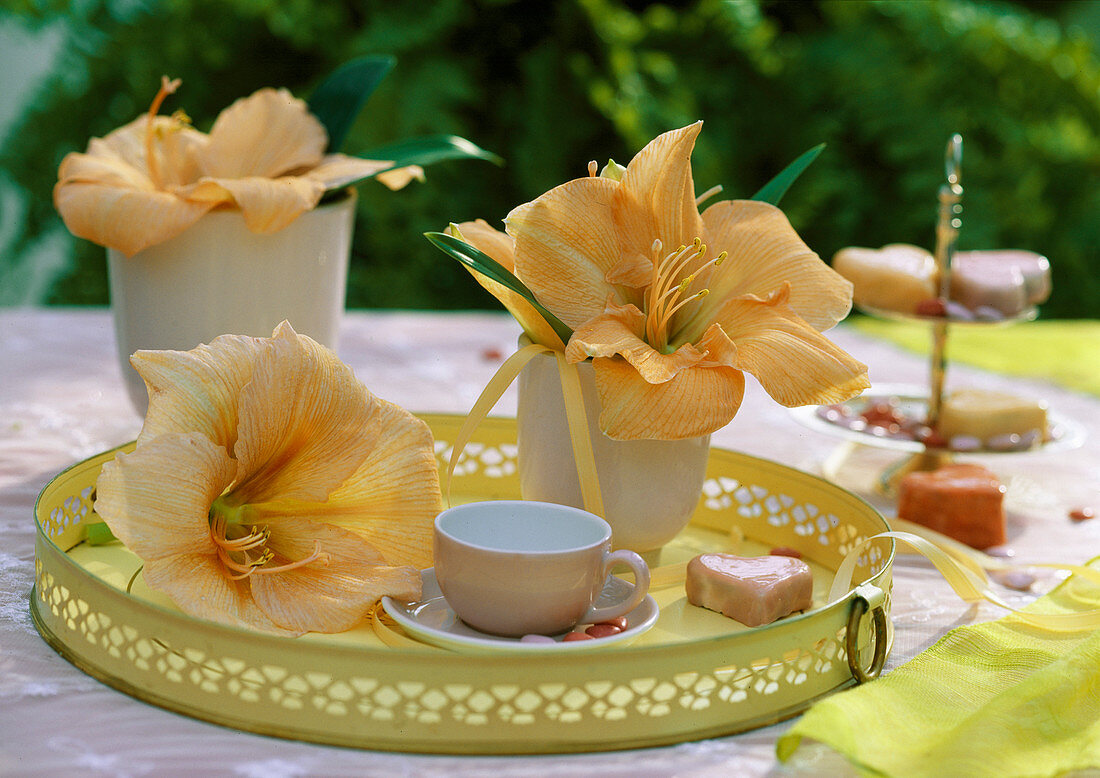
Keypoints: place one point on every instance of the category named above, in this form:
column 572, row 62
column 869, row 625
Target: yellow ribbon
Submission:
column 964, row 569
column 576, row 417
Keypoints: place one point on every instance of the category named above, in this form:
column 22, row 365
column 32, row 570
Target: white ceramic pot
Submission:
column 219, row 278
column 650, row 488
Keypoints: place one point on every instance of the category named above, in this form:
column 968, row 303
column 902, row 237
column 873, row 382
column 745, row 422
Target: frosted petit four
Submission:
column 971, row 420
column 985, row 285
column 978, row 283
column 752, row 590
column 1008, row 281
column 896, row 277
column 962, row 501
column 991, row 416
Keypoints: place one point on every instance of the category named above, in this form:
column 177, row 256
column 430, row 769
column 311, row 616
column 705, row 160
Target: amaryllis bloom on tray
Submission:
column 671, row 304
column 150, row 180
column 270, row 489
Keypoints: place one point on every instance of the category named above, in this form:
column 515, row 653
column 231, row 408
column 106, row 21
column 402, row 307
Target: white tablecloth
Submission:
column 62, row 399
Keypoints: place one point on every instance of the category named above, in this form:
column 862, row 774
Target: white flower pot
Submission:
column 650, row 488
column 219, row 278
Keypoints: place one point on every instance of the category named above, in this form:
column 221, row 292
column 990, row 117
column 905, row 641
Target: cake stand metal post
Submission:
column 947, row 234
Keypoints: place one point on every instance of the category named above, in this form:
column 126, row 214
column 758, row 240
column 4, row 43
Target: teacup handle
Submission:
column 637, row 594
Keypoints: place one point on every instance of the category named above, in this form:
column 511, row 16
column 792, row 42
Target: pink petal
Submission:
column 764, row 253
column 795, row 363
column 657, row 197
column 198, row 584
column 337, row 170
column 267, row 204
column 391, row 500
column 124, row 218
column 399, row 178
column 500, row 247
column 157, row 499
column 696, row 401
column 266, row 135
column 197, row 390
column 333, row 593
column 620, row 332
column 566, row 242
column 305, row 423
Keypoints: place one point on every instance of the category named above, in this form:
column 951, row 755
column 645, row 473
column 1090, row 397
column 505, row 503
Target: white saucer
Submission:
column 432, row 621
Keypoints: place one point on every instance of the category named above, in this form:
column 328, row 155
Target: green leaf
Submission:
column 430, row 149
column 338, row 100
column 420, row 151
column 99, row 534
column 773, row 191
column 493, row 270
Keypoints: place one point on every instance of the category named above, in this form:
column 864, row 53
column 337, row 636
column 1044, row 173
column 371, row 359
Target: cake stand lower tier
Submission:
column 912, row 401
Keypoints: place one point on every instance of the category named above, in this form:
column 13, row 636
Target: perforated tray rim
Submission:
column 440, row 702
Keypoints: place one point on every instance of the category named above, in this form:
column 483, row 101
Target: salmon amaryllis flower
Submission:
column 150, row 180
column 671, row 304
column 270, row 489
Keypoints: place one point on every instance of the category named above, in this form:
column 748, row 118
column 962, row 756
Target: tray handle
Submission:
column 867, row 598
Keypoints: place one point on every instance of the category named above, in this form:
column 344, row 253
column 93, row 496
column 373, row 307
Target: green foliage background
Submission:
column 549, row 86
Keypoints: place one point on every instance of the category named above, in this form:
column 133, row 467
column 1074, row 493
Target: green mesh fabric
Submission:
column 997, row 699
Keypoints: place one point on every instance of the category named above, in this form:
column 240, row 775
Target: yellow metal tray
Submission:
column 696, row 674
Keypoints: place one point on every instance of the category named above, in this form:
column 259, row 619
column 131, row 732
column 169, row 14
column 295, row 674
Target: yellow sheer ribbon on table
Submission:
column 965, row 570
column 1019, row 696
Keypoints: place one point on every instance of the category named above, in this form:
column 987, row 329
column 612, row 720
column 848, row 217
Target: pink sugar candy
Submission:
column 572, row 636
column 602, row 630
column 533, row 638
column 752, row 590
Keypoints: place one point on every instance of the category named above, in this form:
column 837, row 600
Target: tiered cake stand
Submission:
column 916, row 402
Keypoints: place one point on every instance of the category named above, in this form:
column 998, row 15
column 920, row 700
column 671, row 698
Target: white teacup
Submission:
column 516, row 567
